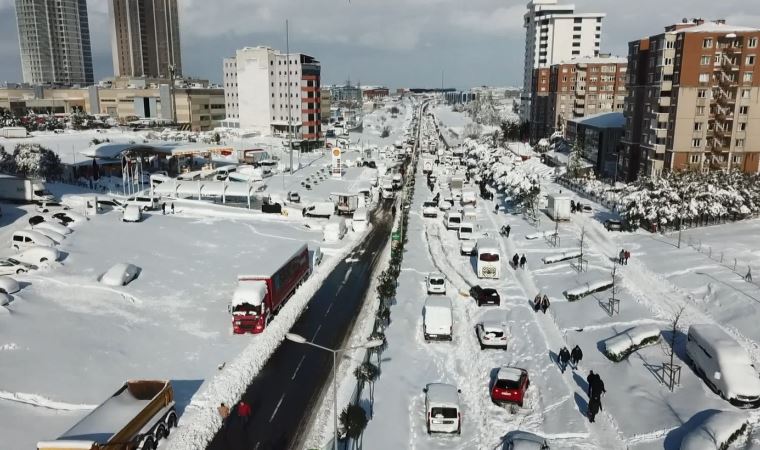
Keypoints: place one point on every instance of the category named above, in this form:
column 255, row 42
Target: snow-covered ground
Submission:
column 67, row 341
column 639, row 411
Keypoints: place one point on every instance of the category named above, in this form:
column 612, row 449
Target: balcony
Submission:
column 667, row 70
column 659, row 148
column 664, row 101
column 661, row 133
column 661, row 117
column 579, row 111
column 666, row 85
column 580, row 93
column 580, row 101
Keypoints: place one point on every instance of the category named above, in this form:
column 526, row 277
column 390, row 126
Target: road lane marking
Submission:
column 328, row 309
column 316, row 332
column 276, row 408
column 298, row 367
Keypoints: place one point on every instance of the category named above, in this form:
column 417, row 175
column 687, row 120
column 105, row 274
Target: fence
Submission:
column 608, row 199
column 739, row 267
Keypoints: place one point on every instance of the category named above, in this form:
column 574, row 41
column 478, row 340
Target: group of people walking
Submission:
column 595, row 392
column 242, row 411
column 623, row 257
column 540, row 303
column 518, row 261
column 569, row 358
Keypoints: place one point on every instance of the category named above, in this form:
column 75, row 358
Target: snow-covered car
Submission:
column 510, row 386
column 430, row 209
column 69, row 217
column 468, row 247
column 436, row 283
column 443, row 205
column 120, row 274
column 37, row 255
column 132, row 213
column 613, row 225
column 145, row 202
column 485, row 296
column 50, row 234
column 442, row 410
column 294, row 197
column 724, row 365
column 522, row 440
column 491, row 334
column 8, row 285
column 10, row 266
column 53, row 226
column 29, row 238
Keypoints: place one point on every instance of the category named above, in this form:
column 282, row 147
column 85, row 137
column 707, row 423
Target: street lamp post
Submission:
column 298, row 339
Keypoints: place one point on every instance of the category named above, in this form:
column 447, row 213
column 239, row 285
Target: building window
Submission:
column 740, row 142
column 705, row 61
column 752, row 43
column 694, row 159
column 736, row 159
column 576, row 36
column 696, row 142
column 749, row 60
column 707, row 43
column 697, row 126
column 702, row 93
column 743, row 110
column 742, row 126
column 700, row 110
column 669, row 61
column 745, row 93
column 747, row 77
column 704, row 77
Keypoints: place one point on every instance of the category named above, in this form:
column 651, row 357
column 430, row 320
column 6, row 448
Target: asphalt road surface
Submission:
column 288, row 387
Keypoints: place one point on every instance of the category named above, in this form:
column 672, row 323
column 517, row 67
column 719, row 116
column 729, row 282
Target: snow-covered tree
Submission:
column 32, row 160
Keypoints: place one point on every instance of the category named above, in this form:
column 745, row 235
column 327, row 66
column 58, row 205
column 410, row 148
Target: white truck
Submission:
column 558, row 207
column 17, row 189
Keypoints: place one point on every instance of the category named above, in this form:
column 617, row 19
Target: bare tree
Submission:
column 614, row 304
column 671, row 372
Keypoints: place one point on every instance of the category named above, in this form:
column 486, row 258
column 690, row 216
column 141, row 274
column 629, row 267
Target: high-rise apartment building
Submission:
column 693, row 93
column 272, row 92
column 145, row 38
column 54, row 37
column 555, row 33
column 574, row 89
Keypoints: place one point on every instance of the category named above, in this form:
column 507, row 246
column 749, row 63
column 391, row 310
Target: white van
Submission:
column 435, row 283
column 443, row 413
column 452, row 220
column 469, row 214
column 465, row 231
column 335, row 229
column 319, row 209
column 437, row 319
column 27, row 238
column 489, row 259
column 468, row 197
column 360, row 220
column 723, row 364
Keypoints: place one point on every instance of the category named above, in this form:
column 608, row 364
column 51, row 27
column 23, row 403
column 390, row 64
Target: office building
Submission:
column 272, row 92
column 54, row 38
column 145, row 38
column 693, row 93
column 555, row 33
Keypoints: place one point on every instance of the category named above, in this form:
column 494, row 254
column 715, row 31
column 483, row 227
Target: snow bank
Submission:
column 617, row 348
column 586, row 289
column 201, row 421
column 717, row 432
column 564, row 256
column 543, row 234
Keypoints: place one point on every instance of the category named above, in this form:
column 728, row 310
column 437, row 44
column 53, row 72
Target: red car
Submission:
column 510, row 386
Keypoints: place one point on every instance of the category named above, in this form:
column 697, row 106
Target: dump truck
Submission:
column 137, row 416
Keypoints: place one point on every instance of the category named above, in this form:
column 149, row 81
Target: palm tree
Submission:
column 353, row 421
column 368, row 373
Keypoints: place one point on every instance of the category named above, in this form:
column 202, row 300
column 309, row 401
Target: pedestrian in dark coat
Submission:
column 544, row 304
column 590, row 380
column 523, row 260
column 508, row 229
column 163, row 209
column 575, row 356
column 627, row 255
column 537, row 302
column 621, row 257
column 564, row 358
column 594, row 405
column 515, row 260
column 172, row 207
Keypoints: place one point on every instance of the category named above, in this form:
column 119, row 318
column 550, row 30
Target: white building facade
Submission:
column 555, row 33
column 265, row 90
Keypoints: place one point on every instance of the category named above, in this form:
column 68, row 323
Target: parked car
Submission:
column 56, row 237
column 145, row 202
column 485, row 296
column 437, row 319
column 724, row 365
column 521, row 440
column 9, row 286
column 53, row 226
column 613, row 225
column 491, row 334
column 10, row 266
column 436, row 283
column 443, row 413
column 28, row 238
column 120, row 274
column 468, row 247
column 69, row 217
column 430, row 209
column 510, row 386
column 132, row 213
column 294, row 197
column 37, row 255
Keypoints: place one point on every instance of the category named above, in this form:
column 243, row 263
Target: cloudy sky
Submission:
column 398, row 43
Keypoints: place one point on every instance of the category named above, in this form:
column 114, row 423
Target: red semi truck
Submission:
column 258, row 297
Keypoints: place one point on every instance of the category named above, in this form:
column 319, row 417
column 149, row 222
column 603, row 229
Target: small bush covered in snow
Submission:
column 717, row 432
column 564, row 256
column 618, row 348
column 587, row 289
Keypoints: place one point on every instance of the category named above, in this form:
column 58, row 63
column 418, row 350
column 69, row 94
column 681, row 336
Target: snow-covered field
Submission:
column 639, row 412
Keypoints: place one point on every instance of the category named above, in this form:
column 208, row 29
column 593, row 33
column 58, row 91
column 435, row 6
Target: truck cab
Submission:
column 248, row 307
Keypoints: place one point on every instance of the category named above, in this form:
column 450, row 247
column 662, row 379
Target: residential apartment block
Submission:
column 555, row 33
column 270, row 92
column 54, row 38
column 694, row 100
column 145, row 38
column 574, row 89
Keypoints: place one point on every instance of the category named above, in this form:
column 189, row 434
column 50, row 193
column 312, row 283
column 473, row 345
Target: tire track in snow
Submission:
column 43, row 402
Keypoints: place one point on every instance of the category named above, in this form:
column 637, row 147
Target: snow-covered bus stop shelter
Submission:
column 235, row 193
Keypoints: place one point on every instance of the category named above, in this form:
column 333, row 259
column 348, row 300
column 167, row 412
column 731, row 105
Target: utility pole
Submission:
column 171, row 93
column 290, row 99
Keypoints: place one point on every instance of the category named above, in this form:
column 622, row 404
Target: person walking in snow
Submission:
column 172, row 207
column 748, row 277
column 163, row 209
column 515, row 261
column 224, row 413
column 564, row 358
column 575, row 356
column 590, row 379
column 508, row 229
column 627, row 255
column 544, row 304
column 537, row 302
column 244, row 412
column 621, row 257
column 596, row 387
column 523, row 260
column 594, row 405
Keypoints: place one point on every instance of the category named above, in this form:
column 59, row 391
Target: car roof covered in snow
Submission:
column 436, row 275
column 714, row 336
column 443, row 393
column 251, row 292
column 492, row 325
column 437, row 301
column 510, row 373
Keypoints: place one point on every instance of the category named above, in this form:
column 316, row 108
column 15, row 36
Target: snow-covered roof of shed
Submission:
column 603, row 120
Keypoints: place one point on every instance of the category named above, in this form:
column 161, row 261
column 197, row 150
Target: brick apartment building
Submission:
column 693, row 97
column 574, row 89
